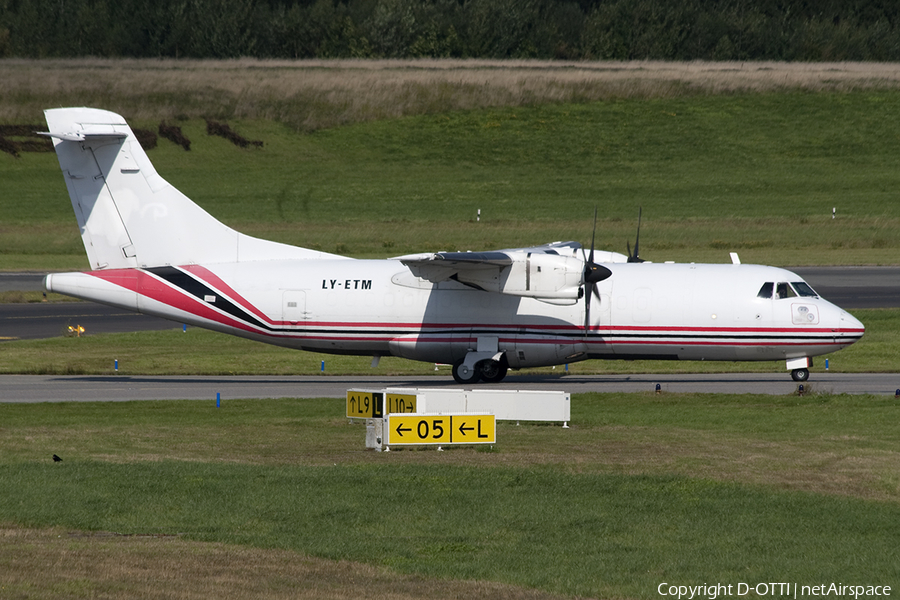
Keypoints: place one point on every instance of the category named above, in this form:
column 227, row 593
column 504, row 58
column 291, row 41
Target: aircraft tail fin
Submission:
column 129, row 216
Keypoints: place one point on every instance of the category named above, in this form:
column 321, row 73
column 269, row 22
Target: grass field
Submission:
column 756, row 170
column 643, row 489
column 277, row 499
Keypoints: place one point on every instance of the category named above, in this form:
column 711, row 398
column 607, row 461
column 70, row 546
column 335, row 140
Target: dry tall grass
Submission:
column 54, row 563
column 315, row 94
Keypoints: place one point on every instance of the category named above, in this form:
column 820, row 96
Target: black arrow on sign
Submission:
column 400, row 429
column 463, row 429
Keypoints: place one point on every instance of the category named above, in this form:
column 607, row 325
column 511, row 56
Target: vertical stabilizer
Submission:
column 129, row 216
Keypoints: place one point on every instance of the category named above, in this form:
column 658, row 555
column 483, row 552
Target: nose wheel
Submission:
column 800, row 374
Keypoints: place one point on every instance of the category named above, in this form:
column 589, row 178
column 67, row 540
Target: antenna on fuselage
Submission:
column 634, row 258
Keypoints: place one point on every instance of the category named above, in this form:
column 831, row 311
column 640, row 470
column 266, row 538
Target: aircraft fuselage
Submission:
column 377, row 307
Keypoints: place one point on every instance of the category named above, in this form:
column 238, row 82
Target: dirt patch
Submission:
column 9, row 147
column 104, row 564
column 174, row 134
column 19, row 130
column 145, row 137
column 31, row 143
column 223, row 130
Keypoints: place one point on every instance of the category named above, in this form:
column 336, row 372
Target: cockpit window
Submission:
column 784, row 290
column 803, row 289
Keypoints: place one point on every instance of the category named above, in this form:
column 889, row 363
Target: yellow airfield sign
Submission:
column 370, row 404
column 442, row 430
column 399, row 403
column 365, row 405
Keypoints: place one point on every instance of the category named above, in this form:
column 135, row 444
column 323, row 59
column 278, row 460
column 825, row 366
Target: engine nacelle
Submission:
column 532, row 275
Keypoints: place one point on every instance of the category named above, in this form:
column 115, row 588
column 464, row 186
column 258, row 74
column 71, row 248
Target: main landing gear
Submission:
column 800, row 374
column 489, row 371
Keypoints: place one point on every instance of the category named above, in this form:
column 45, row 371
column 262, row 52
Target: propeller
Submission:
column 593, row 273
column 634, row 258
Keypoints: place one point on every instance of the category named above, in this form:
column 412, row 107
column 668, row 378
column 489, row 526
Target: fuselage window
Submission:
column 804, row 289
column 783, row 290
column 766, row 290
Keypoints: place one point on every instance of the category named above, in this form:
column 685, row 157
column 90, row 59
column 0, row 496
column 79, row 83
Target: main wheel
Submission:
column 492, row 371
column 800, row 374
column 465, row 375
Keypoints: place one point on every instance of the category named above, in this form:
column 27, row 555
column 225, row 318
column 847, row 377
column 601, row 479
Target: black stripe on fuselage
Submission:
column 198, row 289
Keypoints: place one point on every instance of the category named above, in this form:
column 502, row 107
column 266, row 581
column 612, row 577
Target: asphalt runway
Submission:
column 848, row 287
column 52, row 319
column 120, row 388
column 855, row 287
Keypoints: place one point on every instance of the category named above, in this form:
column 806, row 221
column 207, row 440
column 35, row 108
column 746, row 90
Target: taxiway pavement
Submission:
column 117, row 388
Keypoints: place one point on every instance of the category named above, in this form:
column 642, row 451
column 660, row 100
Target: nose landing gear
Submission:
column 800, row 374
column 799, row 367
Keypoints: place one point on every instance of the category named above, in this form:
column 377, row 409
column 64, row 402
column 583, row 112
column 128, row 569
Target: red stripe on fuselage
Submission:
column 213, row 281
column 146, row 284
column 150, row 286
column 126, row 278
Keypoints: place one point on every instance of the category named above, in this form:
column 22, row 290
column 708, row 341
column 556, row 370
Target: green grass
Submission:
column 198, row 351
column 757, row 173
column 643, row 489
column 14, row 297
column 592, row 535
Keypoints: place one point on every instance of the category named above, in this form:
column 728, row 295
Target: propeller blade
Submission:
column 592, row 274
column 592, row 290
column 587, row 308
column 592, row 271
column 586, row 294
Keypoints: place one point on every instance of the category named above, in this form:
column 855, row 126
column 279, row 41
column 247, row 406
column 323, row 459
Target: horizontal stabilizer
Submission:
column 82, row 136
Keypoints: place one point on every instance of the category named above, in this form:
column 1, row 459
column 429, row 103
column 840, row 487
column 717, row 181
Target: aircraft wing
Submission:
column 552, row 272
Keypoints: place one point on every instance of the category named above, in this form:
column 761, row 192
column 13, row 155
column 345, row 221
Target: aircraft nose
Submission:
column 850, row 328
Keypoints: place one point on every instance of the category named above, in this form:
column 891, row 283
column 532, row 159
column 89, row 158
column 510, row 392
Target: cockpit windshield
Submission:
column 783, row 289
column 803, row 289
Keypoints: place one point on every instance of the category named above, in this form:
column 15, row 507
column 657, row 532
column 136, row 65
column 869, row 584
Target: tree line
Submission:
column 804, row 30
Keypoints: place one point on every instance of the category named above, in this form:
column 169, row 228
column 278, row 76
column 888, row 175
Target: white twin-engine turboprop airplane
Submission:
column 154, row 251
